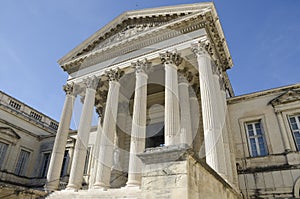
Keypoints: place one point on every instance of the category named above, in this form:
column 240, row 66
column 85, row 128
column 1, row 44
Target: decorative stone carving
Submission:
column 99, row 111
column 185, row 75
column 171, row 58
column 114, row 74
column 141, row 66
column 202, row 48
column 222, row 83
column 69, row 89
column 287, row 97
column 91, row 82
column 129, row 31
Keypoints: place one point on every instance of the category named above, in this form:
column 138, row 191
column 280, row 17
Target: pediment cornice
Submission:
column 287, row 97
column 134, row 27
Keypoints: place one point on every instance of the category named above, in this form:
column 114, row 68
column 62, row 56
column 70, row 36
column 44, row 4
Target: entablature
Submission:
column 140, row 29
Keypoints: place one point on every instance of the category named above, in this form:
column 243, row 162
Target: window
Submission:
column 3, row 150
column 65, row 164
column 45, row 164
column 22, row 162
column 87, row 160
column 256, row 140
column 295, row 126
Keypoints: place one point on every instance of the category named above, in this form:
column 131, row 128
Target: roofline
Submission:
column 138, row 13
column 252, row 95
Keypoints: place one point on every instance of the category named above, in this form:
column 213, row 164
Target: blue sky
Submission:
column 263, row 38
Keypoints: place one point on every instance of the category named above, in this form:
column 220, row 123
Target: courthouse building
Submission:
column 169, row 124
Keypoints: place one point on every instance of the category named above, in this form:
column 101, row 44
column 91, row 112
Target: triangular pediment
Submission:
column 133, row 24
column 10, row 132
column 287, row 97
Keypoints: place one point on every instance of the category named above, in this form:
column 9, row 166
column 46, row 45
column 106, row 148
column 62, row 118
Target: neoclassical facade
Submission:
column 169, row 124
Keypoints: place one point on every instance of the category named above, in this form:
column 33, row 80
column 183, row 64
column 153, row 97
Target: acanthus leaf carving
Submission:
column 171, row 58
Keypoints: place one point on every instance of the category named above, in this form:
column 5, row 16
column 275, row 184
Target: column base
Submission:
column 72, row 187
column 133, row 183
column 100, row 186
column 50, row 188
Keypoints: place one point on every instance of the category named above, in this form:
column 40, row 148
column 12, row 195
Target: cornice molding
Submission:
column 250, row 96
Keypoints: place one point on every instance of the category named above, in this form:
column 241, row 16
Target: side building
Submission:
column 26, row 141
column 266, row 129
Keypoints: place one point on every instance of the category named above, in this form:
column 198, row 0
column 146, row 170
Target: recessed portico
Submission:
column 156, row 77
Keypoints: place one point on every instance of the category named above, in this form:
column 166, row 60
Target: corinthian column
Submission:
column 108, row 132
column 138, row 132
column 214, row 147
column 83, row 134
column 186, row 136
column 95, row 158
column 172, row 120
column 59, row 147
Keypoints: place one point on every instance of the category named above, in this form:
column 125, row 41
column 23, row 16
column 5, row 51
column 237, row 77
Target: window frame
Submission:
column 297, row 117
column 45, row 164
column 244, row 136
column 65, row 163
column 3, row 157
column 256, row 137
column 23, row 169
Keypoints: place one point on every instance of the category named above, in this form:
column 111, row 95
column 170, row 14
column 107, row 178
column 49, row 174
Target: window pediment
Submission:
column 9, row 132
column 287, row 97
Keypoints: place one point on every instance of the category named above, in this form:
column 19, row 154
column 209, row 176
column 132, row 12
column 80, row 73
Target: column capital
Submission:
column 222, row 83
column 202, row 48
column 99, row 111
column 114, row 74
column 171, row 58
column 91, row 82
column 141, row 66
column 184, row 75
column 196, row 89
column 69, row 88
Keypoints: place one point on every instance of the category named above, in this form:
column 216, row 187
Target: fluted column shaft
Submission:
column 96, row 161
column 108, row 132
column 172, row 117
column 53, row 175
column 83, row 134
column 214, row 148
column 138, row 132
column 186, row 136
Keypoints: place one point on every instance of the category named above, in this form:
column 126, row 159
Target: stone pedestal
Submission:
column 174, row 172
